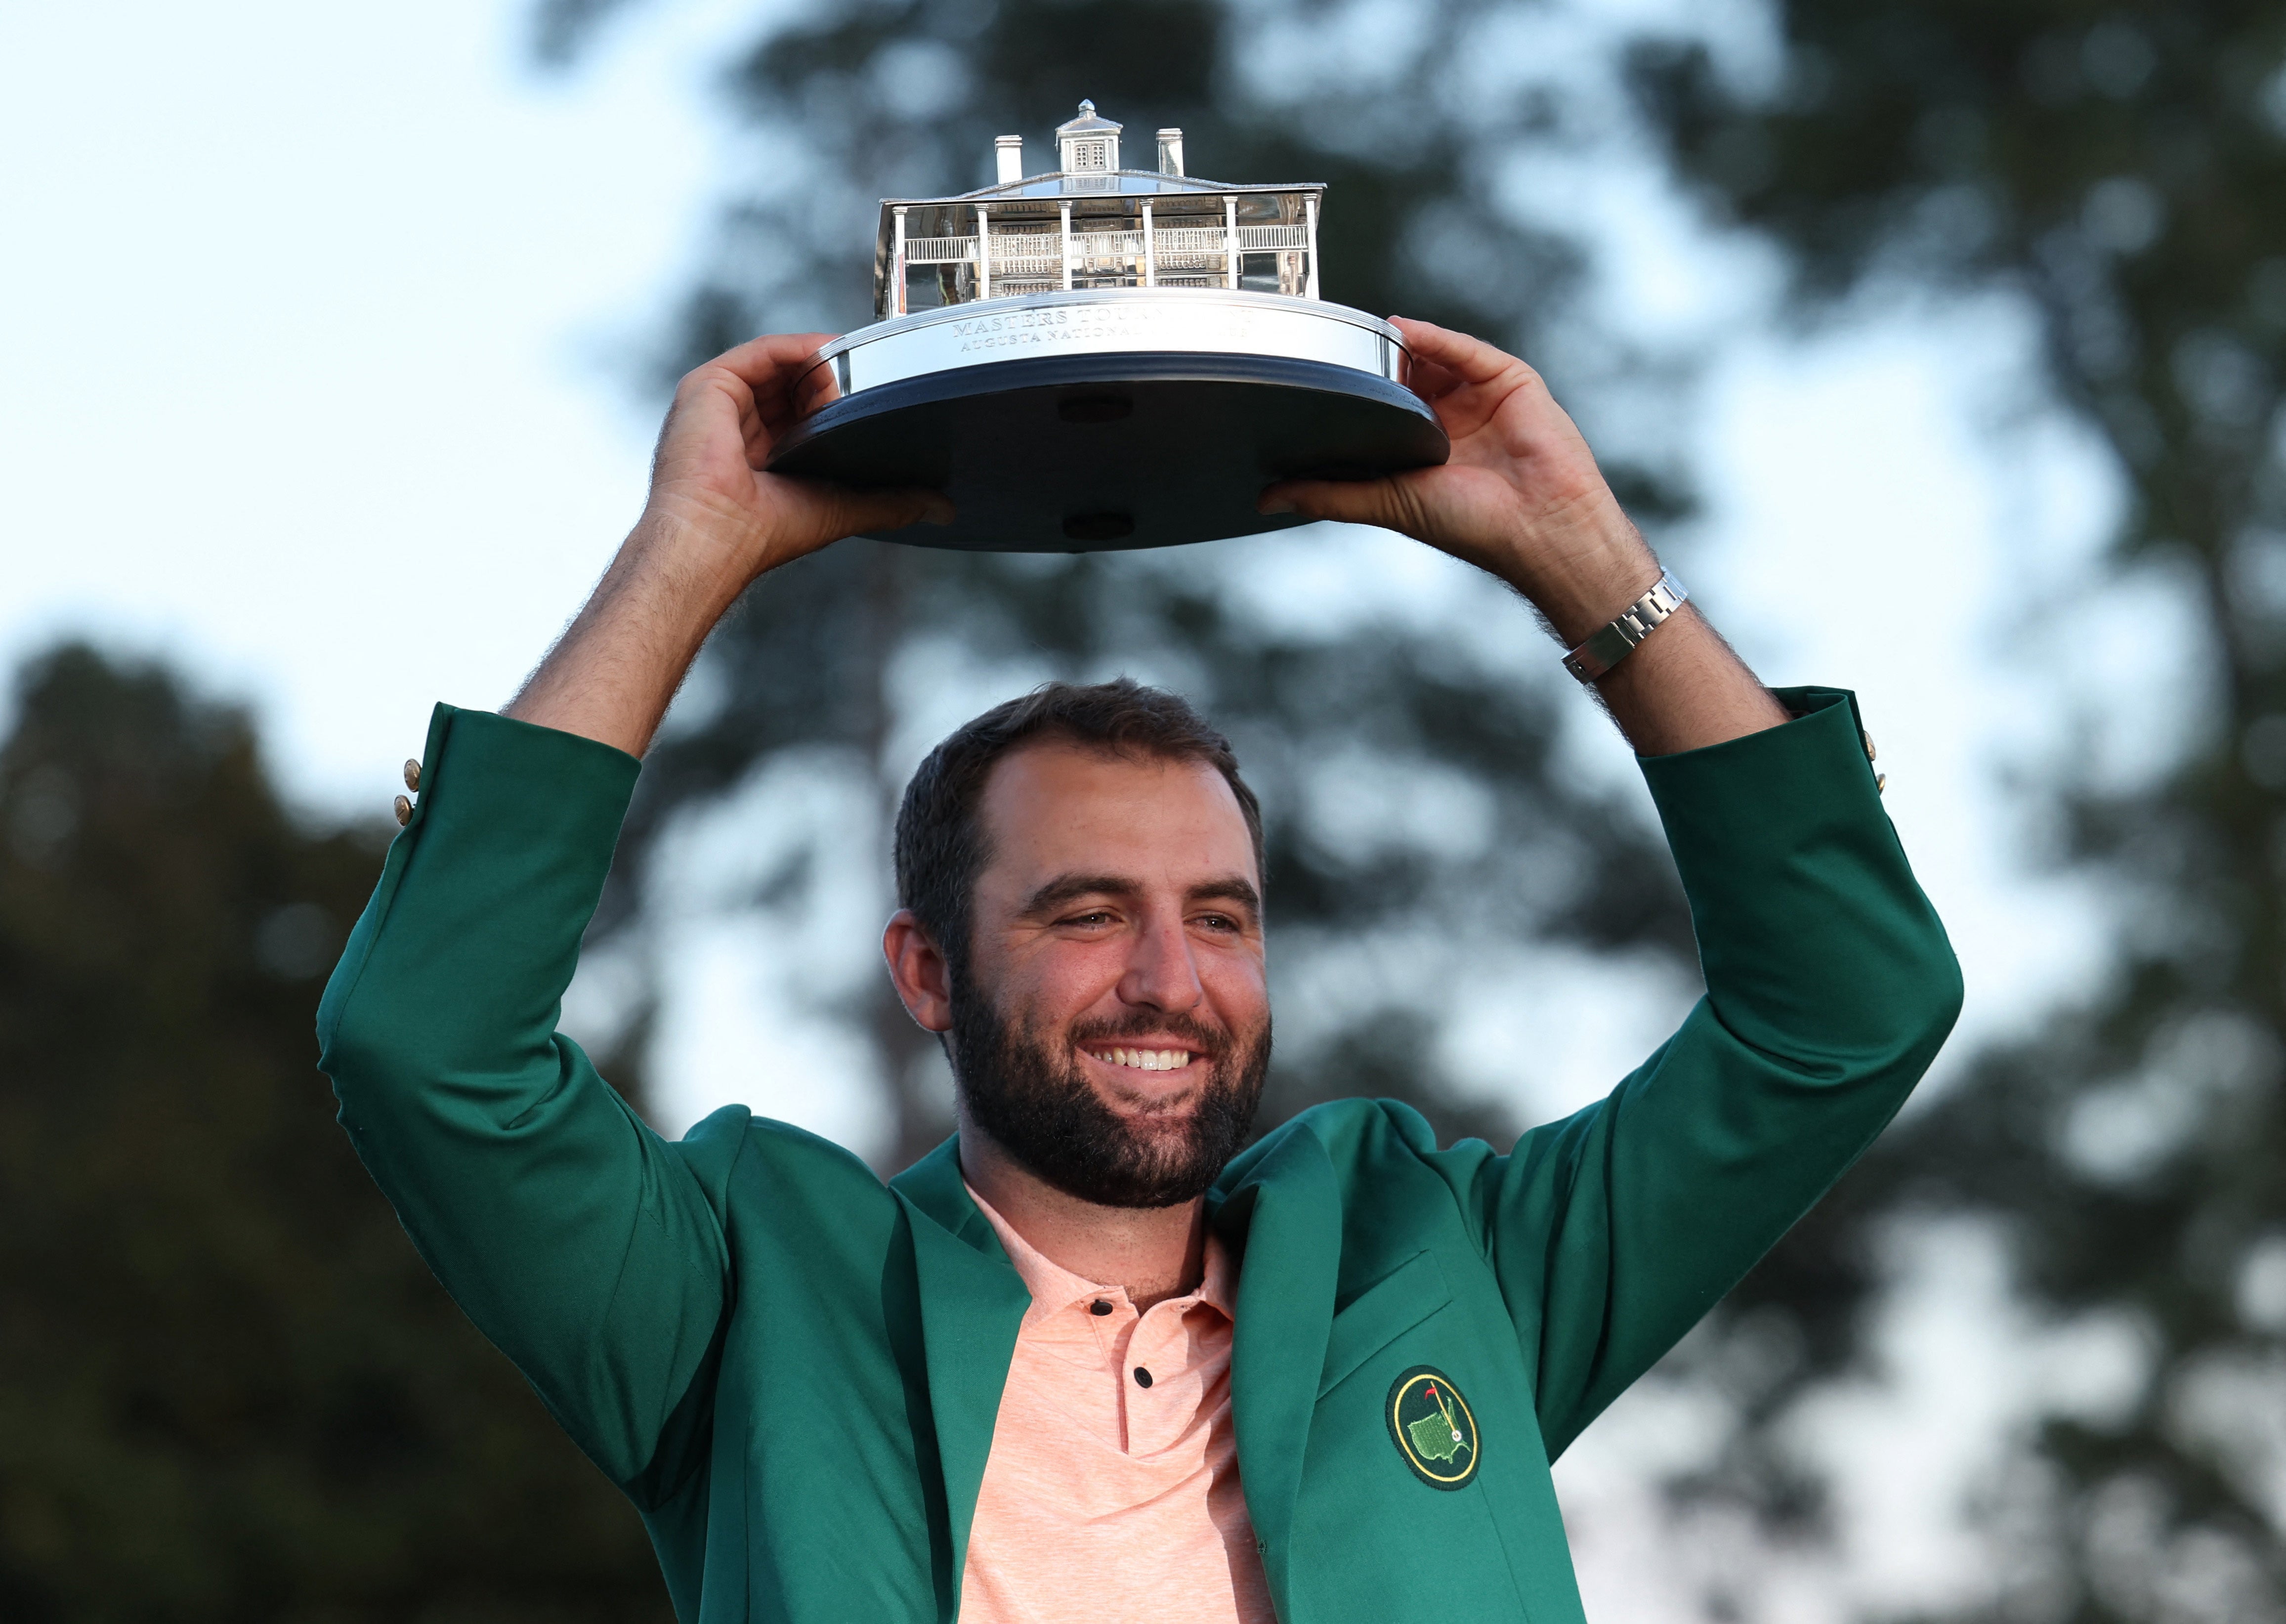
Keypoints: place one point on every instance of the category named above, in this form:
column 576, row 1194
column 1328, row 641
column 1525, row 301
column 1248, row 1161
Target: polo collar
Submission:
column 1055, row 1288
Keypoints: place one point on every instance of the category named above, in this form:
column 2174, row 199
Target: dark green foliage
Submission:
column 2119, row 168
column 229, row 1391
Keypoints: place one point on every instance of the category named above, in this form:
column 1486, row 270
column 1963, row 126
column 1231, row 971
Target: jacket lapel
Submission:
column 973, row 1302
column 1285, row 1214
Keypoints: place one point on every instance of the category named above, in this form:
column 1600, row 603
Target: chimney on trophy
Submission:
column 1171, row 152
column 1009, row 151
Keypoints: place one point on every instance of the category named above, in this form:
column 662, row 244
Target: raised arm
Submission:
column 1830, row 988
column 1830, row 984
column 713, row 523
column 589, row 1249
column 1523, row 498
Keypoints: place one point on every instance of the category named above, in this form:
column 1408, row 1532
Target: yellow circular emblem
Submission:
column 1433, row 1428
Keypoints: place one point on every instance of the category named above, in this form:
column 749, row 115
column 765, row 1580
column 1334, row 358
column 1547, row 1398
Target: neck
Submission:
column 1153, row 1252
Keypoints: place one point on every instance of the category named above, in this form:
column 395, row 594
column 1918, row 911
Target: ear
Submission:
column 923, row 979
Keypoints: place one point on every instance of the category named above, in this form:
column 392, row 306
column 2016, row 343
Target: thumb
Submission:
column 852, row 512
column 1384, row 502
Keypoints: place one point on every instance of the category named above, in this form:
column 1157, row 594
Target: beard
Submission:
column 1031, row 1094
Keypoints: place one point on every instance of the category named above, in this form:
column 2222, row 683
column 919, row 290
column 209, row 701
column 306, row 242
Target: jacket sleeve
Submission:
column 591, row 1251
column 1830, row 988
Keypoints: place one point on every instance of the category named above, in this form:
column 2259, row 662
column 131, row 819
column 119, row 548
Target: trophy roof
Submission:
column 1056, row 184
column 1087, row 123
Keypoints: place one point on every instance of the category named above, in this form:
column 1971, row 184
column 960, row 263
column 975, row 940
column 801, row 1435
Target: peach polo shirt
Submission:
column 1111, row 1495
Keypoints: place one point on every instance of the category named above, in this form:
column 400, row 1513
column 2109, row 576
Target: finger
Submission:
column 757, row 376
column 1386, row 502
column 1471, row 360
column 1428, row 380
column 845, row 510
column 895, row 509
column 710, row 402
column 736, row 389
column 759, row 363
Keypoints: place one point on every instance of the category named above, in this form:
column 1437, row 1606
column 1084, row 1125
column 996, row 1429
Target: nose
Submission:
column 1160, row 971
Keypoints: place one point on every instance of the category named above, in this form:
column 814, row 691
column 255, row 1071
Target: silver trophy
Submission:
column 1099, row 356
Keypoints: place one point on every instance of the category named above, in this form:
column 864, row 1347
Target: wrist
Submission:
column 1580, row 573
column 705, row 553
column 1594, row 659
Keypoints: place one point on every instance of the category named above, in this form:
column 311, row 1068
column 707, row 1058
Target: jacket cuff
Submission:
column 1823, row 717
column 520, row 817
column 1814, row 938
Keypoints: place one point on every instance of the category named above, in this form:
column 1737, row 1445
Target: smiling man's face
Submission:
column 1116, row 1032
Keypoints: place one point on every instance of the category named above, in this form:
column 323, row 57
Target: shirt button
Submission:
column 1099, row 1306
column 1142, row 1376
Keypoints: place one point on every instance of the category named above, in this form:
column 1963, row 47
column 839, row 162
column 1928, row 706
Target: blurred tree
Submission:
column 1421, row 830
column 229, row 1390
column 2118, row 169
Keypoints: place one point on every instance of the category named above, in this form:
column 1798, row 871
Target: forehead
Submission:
column 1055, row 806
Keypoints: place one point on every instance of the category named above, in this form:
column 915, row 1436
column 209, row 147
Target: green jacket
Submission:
column 793, row 1371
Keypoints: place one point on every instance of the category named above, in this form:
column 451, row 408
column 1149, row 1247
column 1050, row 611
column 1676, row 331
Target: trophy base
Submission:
column 1114, row 449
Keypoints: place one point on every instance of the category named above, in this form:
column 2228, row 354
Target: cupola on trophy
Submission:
column 1097, row 356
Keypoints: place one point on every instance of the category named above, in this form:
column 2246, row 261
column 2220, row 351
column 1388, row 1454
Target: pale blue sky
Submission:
column 310, row 321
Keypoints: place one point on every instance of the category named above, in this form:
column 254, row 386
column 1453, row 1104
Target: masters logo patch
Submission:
column 1432, row 1427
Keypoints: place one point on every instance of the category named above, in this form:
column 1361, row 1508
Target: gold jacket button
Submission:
column 404, row 811
column 413, row 776
column 1880, row 780
column 1864, row 738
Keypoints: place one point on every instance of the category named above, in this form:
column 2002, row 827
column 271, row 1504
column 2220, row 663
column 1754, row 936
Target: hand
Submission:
column 708, row 478
column 714, row 521
column 1521, row 496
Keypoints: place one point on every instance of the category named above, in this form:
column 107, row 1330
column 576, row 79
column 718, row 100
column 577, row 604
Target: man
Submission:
column 1078, row 1363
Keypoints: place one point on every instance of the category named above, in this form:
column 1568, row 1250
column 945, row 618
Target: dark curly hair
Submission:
column 941, row 847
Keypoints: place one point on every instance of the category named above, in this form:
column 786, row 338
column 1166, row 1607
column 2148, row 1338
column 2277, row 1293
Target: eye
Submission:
column 1219, row 922
column 1093, row 916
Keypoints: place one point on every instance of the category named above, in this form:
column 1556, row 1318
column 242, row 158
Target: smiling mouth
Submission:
column 1143, row 1060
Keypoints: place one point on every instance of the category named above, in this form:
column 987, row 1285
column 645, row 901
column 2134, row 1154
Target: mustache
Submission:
column 1212, row 1042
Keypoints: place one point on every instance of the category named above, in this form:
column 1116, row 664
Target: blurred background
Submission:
column 1938, row 345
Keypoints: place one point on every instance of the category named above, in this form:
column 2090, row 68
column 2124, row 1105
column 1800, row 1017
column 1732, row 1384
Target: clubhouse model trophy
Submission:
column 1099, row 356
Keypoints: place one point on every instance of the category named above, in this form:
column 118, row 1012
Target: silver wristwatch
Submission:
column 1638, row 621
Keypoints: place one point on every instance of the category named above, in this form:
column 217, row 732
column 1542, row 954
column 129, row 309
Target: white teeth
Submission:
column 1148, row 1060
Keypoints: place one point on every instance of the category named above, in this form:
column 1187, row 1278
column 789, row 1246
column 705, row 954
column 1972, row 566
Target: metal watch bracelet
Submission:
column 1607, row 648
